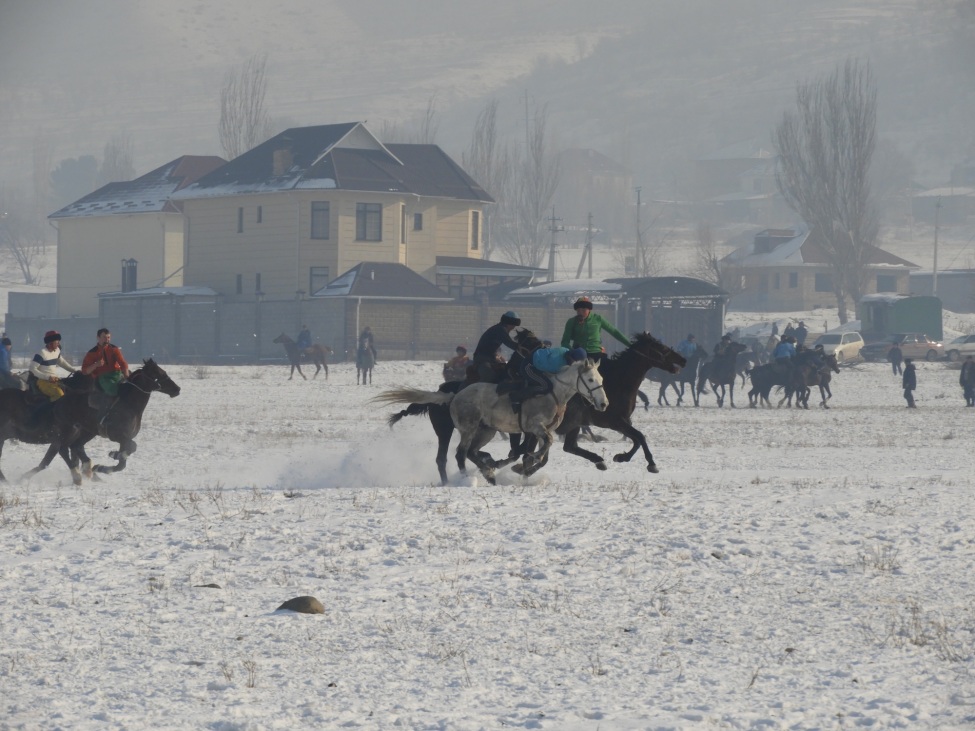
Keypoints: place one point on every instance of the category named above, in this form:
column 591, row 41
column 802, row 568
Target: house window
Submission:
column 886, row 282
column 775, row 281
column 257, row 284
column 417, row 221
column 475, row 230
column 368, row 222
column 260, row 214
column 240, row 284
column 240, row 220
column 763, row 282
column 793, row 280
column 402, row 224
column 317, row 278
column 320, row 215
column 824, row 282
column 130, row 276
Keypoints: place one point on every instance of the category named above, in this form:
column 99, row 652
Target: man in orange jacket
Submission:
column 105, row 363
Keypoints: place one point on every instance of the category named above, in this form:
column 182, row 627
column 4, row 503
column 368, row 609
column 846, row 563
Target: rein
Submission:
column 139, row 388
column 581, row 384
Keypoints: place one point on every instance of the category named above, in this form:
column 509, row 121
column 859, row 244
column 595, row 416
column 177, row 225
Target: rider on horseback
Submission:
column 486, row 353
column 304, row 339
column 544, row 360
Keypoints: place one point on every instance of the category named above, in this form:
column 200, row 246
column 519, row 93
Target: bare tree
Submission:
column 244, row 120
column 825, row 148
column 22, row 236
column 117, row 162
column 521, row 233
column 707, row 263
column 488, row 161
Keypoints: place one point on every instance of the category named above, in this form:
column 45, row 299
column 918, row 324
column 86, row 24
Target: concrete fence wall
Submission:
column 206, row 330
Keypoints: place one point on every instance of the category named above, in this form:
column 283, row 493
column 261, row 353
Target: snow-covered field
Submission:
column 785, row 569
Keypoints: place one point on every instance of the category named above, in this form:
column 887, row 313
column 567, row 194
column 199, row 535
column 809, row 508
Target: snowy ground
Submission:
column 786, row 569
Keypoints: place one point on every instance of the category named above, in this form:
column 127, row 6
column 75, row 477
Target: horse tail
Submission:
column 413, row 396
column 411, row 410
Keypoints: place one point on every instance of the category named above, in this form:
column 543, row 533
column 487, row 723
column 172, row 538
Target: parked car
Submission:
column 913, row 345
column 845, row 346
column 960, row 348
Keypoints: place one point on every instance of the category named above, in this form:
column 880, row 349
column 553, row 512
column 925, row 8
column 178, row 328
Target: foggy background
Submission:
column 652, row 84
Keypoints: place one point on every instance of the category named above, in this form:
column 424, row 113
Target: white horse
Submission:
column 479, row 413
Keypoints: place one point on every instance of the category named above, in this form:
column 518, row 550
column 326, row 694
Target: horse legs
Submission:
column 572, row 447
column 469, row 447
column 126, row 449
column 443, row 426
column 731, row 393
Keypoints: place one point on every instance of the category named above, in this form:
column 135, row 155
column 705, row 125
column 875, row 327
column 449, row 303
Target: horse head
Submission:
column 282, row 339
column 831, row 362
column 660, row 356
column 151, row 377
column 591, row 385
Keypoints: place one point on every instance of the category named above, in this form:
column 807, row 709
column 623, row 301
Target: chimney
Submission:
column 282, row 161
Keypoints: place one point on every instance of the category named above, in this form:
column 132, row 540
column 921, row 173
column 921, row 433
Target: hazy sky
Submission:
column 653, row 82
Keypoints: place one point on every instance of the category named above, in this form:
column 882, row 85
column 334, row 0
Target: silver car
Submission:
column 960, row 348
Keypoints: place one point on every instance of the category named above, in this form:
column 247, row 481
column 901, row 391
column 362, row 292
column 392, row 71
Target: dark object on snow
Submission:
column 303, row 605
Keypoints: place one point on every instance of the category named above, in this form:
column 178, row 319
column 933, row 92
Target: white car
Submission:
column 960, row 348
column 845, row 346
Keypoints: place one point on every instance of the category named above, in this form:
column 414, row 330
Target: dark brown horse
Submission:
column 721, row 372
column 75, row 421
column 622, row 376
column 317, row 354
column 29, row 417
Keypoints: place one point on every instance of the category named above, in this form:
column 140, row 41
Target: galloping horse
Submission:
column 74, row 422
column 365, row 361
column 317, row 354
column 29, row 417
column 479, row 412
column 622, row 376
column 721, row 373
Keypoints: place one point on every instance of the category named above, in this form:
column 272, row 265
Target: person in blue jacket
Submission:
column 544, row 360
column 785, row 351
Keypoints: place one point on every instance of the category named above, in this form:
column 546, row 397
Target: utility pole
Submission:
column 554, row 227
column 587, row 250
column 934, row 273
column 639, row 234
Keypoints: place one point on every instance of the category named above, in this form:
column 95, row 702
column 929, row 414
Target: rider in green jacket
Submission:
column 583, row 330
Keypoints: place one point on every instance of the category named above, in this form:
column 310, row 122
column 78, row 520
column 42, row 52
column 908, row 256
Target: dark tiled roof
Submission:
column 343, row 157
column 380, row 280
column 150, row 193
column 475, row 266
column 667, row 287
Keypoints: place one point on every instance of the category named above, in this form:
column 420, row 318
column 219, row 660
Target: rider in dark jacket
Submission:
column 486, row 352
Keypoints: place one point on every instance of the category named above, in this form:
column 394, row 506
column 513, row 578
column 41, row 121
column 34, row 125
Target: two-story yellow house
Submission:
column 130, row 229
column 286, row 217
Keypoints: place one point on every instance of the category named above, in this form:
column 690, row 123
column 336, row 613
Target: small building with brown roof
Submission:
column 785, row 271
column 135, row 222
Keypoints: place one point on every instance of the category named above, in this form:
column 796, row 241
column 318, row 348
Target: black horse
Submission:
column 29, row 417
column 365, row 361
column 721, row 373
column 622, row 376
column 79, row 418
column 806, row 375
column 317, row 354
column 688, row 375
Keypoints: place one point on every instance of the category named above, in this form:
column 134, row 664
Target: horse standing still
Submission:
column 677, row 381
column 721, row 373
column 365, row 361
column 317, row 354
column 479, row 412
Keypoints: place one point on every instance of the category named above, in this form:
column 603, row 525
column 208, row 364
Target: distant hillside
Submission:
column 648, row 82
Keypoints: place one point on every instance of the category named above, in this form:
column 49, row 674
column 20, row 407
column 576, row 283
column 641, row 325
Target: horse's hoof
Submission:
column 652, row 468
column 601, row 466
column 518, row 468
column 620, row 458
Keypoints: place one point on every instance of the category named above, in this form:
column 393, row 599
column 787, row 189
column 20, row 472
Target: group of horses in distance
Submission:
column 317, row 354
column 720, row 373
